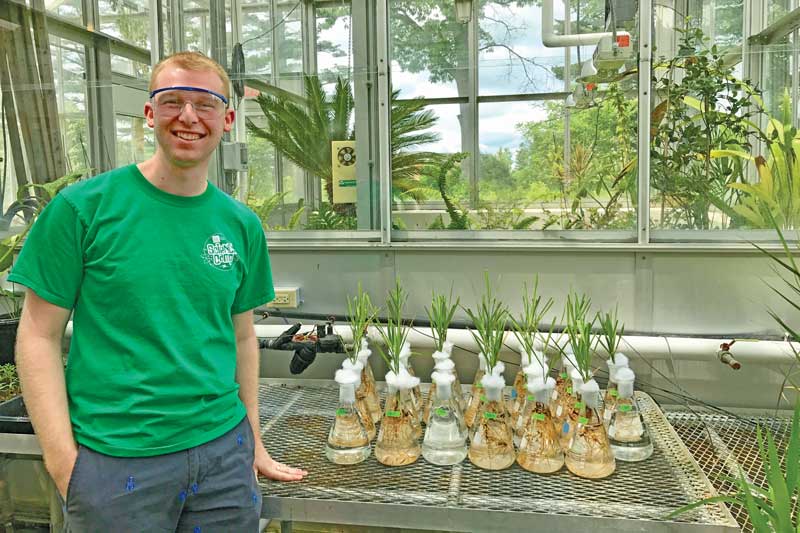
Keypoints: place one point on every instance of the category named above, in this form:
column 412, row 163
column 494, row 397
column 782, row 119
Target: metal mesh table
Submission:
column 722, row 443
column 295, row 421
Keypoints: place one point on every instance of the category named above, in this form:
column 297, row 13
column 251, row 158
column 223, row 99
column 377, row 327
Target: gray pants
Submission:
column 205, row 489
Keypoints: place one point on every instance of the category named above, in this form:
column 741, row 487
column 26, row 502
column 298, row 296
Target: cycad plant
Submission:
column 440, row 314
column 490, row 324
column 360, row 314
column 302, row 127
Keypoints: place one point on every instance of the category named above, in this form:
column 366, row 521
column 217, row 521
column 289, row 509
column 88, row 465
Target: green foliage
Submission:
column 579, row 332
column 326, row 218
column 533, row 311
column 613, row 330
column 704, row 109
column 9, row 382
column 770, row 509
column 394, row 332
column 490, row 322
column 264, row 207
column 440, row 314
column 360, row 314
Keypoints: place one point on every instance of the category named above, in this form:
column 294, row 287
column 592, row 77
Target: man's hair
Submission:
column 192, row 61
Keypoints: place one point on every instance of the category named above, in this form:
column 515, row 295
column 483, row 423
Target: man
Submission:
column 154, row 426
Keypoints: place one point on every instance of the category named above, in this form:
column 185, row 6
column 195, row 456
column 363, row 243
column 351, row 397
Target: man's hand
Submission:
column 61, row 471
column 268, row 467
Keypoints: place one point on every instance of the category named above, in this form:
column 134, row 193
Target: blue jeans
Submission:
column 205, row 489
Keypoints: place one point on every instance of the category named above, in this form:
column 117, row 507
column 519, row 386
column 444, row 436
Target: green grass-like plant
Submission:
column 440, row 315
column 580, row 333
column 395, row 331
column 9, row 382
column 490, row 322
column 770, row 509
column 533, row 311
column 613, row 330
column 360, row 314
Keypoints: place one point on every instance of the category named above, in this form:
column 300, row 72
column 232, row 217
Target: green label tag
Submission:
column 489, row 416
column 341, row 411
column 625, row 408
column 613, row 392
column 569, row 390
column 583, row 420
column 530, row 397
column 479, row 385
column 347, row 183
column 441, row 412
column 483, row 398
column 578, row 405
column 393, row 414
column 538, row 416
column 563, row 375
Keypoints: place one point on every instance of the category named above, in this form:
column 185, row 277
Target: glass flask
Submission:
column 446, row 355
column 530, row 372
column 610, row 400
column 539, row 448
column 398, row 437
column 445, row 441
column 589, row 453
column 519, row 389
column 370, row 391
column 475, row 393
column 348, row 442
column 569, row 409
column 627, row 432
column 357, row 368
column 443, row 366
column 563, row 384
column 492, row 443
column 405, row 355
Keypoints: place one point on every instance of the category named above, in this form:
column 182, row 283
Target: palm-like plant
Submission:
column 395, row 331
column 613, row 330
column 580, row 333
column 440, row 315
column 490, row 322
column 533, row 311
column 302, row 127
column 360, row 314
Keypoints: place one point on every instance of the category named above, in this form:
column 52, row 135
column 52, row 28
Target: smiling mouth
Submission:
column 188, row 136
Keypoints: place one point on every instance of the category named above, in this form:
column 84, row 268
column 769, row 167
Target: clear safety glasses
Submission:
column 171, row 101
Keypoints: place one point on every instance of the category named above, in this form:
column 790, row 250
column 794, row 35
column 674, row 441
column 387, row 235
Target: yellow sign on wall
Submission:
column 343, row 163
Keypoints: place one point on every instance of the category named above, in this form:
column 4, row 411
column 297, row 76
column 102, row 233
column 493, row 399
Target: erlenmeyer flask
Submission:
column 371, row 396
column 589, row 453
column 445, row 441
column 397, row 442
column 539, row 448
column 443, row 366
column 563, row 395
column 519, row 389
column 405, row 355
column 570, row 409
column 610, row 400
column 492, row 443
column 361, row 404
column 476, row 392
column 348, row 442
column 627, row 432
column 530, row 372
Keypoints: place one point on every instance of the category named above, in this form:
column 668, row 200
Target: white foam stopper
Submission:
column 438, row 356
column 405, row 351
column 541, row 383
column 347, row 380
column 625, row 379
column 499, row 368
column 620, row 360
column 364, row 353
column 444, row 382
column 493, row 386
column 405, row 380
column 356, row 368
column 447, row 347
column 539, row 357
column 525, row 357
column 481, row 362
column 568, row 360
column 534, row 369
column 590, row 393
column 577, row 380
column 445, row 365
column 365, row 344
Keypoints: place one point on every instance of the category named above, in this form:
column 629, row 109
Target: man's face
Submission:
column 187, row 136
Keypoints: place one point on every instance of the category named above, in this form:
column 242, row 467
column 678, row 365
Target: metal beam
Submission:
column 778, row 29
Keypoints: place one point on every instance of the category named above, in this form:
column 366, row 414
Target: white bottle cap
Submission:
column 625, row 379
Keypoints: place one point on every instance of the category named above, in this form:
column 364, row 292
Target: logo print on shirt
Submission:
column 219, row 253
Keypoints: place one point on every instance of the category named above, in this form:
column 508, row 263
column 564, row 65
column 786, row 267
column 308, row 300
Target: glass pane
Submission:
column 197, row 26
column 334, row 42
column 69, row 66
column 68, row 9
column 128, row 21
column 428, row 49
column 288, row 35
column 135, row 141
column 257, row 37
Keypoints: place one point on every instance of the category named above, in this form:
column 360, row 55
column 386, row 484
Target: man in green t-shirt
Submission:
column 154, row 424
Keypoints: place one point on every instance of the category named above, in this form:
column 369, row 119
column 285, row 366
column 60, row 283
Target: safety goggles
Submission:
column 171, row 101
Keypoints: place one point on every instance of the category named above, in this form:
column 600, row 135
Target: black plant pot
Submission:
column 8, row 338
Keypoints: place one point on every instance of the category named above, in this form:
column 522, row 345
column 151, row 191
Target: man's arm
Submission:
column 247, row 359
column 41, row 374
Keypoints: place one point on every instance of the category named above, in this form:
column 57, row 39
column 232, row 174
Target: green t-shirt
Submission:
column 153, row 279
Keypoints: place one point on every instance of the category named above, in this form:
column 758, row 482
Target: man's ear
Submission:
column 230, row 114
column 148, row 113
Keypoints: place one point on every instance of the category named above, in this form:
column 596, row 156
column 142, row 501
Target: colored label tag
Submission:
column 347, row 183
column 565, row 428
column 624, row 408
column 530, row 397
column 479, row 385
column 341, row 411
column 513, row 394
column 613, row 392
column 393, row 414
column 578, row 405
column 538, row 416
column 441, row 412
column 563, row 375
column 483, row 398
column 489, row 416
column 583, row 420
column 569, row 390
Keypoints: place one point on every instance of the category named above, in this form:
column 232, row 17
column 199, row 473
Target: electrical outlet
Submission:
column 286, row 297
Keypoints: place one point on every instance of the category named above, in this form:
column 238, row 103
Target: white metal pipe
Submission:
column 551, row 40
column 677, row 348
